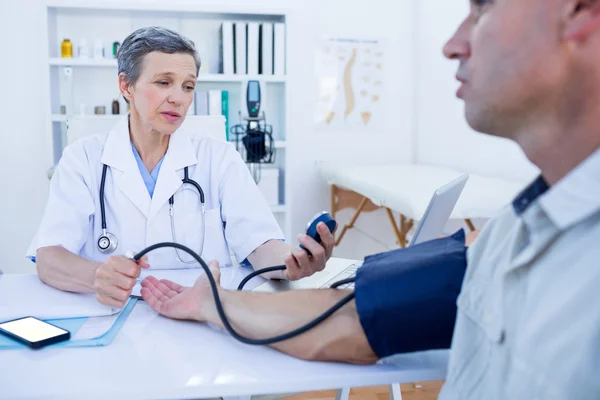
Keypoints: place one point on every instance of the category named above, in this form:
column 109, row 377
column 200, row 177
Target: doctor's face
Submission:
column 164, row 91
column 511, row 62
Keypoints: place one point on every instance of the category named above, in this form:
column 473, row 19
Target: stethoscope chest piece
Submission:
column 107, row 242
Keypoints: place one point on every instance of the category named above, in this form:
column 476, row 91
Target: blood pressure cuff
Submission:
column 406, row 298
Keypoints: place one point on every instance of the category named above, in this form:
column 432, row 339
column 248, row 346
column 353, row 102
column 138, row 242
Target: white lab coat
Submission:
column 236, row 213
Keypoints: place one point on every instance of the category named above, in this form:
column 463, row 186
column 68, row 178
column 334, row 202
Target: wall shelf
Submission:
column 112, row 63
column 64, row 118
column 59, row 118
column 240, row 78
column 279, row 209
column 83, row 62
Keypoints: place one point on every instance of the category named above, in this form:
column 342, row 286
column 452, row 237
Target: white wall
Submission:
column 23, row 181
column 23, row 162
column 393, row 22
column 443, row 137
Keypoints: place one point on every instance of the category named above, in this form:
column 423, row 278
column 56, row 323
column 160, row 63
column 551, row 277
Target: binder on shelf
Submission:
column 279, row 49
column 240, row 46
column 253, row 47
column 226, row 60
column 266, row 49
column 225, row 111
column 201, row 100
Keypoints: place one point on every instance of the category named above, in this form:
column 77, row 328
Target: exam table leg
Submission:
column 342, row 394
column 470, row 224
column 395, row 393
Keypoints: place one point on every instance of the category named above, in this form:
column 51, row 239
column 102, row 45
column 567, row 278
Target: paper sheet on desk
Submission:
column 230, row 276
column 95, row 327
column 25, row 295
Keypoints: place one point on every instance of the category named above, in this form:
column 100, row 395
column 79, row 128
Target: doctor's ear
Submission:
column 125, row 86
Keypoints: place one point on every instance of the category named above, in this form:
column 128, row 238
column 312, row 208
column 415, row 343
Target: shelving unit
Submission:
column 80, row 84
column 111, row 63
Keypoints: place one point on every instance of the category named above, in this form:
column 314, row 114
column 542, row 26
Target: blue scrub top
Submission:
column 150, row 178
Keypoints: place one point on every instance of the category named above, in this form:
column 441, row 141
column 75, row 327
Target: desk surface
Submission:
column 155, row 357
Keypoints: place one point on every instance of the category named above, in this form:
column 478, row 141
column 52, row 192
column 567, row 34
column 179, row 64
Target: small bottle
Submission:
column 84, row 51
column 115, row 107
column 66, row 49
column 98, row 49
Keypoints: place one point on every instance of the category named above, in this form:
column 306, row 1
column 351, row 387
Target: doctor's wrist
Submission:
column 94, row 277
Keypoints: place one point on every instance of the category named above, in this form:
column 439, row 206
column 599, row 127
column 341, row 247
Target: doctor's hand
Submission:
column 116, row 278
column 300, row 265
column 179, row 302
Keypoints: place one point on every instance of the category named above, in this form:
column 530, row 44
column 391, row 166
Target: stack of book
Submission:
column 252, row 48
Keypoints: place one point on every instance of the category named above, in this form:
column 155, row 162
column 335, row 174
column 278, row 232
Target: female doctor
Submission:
column 149, row 180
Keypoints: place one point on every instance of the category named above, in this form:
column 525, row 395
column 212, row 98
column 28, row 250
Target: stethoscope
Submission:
column 107, row 242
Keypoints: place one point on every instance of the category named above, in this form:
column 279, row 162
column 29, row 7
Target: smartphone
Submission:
column 34, row 332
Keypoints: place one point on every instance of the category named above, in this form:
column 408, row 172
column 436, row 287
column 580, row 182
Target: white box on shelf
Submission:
column 269, row 185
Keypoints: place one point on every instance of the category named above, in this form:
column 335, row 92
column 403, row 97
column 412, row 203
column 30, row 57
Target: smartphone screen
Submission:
column 32, row 330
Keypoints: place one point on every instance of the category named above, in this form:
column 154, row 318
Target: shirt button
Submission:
column 502, row 337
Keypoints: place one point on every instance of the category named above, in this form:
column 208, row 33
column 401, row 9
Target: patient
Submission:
column 526, row 293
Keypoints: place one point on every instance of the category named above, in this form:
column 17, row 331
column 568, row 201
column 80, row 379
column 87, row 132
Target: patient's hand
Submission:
column 179, row 302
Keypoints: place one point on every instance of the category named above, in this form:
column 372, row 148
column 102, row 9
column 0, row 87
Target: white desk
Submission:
column 155, row 357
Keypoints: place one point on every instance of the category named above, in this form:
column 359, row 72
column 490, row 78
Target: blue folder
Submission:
column 73, row 325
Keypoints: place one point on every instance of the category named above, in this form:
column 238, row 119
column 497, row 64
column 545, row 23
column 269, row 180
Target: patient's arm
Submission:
column 262, row 315
column 391, row 289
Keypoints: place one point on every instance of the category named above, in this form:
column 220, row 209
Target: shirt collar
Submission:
column 529, row 195
column 576, row 196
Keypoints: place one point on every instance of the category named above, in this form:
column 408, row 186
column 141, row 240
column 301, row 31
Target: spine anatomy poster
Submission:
column 350, row 83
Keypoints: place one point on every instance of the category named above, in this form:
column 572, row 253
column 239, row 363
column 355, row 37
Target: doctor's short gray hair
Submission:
column 131, row 55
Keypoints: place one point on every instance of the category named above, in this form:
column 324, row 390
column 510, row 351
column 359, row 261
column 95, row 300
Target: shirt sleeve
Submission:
column 406, row 298
column 248, row 219
column 66, row 218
